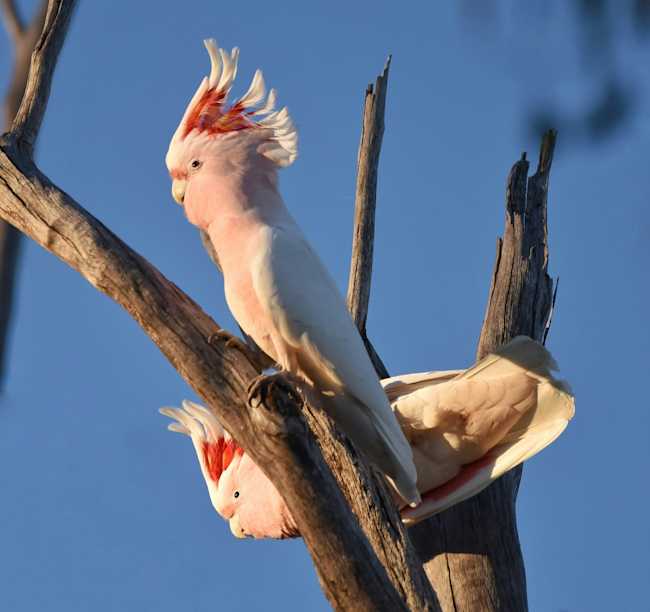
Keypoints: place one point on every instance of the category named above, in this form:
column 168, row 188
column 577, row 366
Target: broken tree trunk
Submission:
column 365, row 204
column 471, row 552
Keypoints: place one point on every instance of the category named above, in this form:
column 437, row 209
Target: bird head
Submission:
column 239, row 490
column 218, row 143
column 251, row 503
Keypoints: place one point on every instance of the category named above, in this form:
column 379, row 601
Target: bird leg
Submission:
column 274, row 399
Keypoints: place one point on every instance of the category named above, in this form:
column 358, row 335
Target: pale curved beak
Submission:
column 236, row 529
column 178, row 190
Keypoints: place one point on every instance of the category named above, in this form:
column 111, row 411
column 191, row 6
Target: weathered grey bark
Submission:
column 365, row 203
column 23, row 39
column 471, row 552
column 363, row 558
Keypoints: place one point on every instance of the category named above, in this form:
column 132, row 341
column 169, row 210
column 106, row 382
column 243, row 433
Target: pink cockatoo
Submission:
column 239, row 491
column 223, row 161
column 466, row 429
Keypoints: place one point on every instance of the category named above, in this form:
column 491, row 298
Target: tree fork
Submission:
column 471, row 552
column 363, row 557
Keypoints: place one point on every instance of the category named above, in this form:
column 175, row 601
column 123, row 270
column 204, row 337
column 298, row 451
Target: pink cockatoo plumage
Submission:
column 239, row 491
column 466, row 428
column 223, row 161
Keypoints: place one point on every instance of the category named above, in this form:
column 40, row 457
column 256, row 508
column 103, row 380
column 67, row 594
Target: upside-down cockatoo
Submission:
column 466, row 429
column 223, row 161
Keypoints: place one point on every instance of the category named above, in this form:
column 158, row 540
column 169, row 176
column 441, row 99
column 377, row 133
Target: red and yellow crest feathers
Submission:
column 208, row 112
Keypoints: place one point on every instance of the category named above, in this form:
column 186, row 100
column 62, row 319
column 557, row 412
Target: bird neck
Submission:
column 245, row 206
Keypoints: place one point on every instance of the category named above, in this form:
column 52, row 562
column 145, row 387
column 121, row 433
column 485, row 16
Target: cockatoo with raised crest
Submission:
column 223, row 160
column 466, row 429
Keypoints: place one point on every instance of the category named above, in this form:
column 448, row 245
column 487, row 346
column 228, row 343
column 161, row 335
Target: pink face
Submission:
column 250, row 501
column 196, row 187
column 212, row 172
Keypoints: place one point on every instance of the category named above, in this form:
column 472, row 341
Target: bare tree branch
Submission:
column 23, row 47
column 12, row 20
column 28, row 119
column 23, row 44
column 471, row 551
column 364, row 560
column 363, row 236
column 24, row 41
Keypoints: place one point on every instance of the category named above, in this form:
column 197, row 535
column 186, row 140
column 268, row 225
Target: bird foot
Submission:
column 230, row 341
column 261, row 387
column 275, row 400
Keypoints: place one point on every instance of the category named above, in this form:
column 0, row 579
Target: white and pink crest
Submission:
column 209, row 115
column 215, row 449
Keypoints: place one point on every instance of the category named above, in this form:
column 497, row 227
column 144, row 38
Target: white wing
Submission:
column 469, row 429
column 315, row 336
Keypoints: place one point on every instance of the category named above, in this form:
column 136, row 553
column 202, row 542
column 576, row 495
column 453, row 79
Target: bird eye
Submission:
column 195, row 164
column 236, row 494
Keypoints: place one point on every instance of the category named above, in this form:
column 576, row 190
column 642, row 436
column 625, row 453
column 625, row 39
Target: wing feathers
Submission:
column 313, row 332
column 470, row 428
column 476, row 476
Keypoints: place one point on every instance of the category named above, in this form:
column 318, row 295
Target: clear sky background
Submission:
column 102, row 509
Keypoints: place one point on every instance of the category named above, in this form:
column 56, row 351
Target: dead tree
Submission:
column 364, row 557
column 471, row 552
column 23, row 38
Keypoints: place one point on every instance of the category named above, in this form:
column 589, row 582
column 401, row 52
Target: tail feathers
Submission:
column 479, row 474
column 404, row 487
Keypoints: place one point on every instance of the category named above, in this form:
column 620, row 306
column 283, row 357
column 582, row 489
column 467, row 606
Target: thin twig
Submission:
column 28, row 119
column 364, row 210
column 366, row 199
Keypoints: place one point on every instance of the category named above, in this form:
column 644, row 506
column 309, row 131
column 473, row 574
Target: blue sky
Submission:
column 103, row 509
